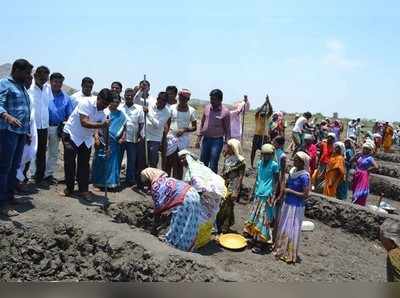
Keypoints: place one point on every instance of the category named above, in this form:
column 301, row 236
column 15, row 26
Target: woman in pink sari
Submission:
column 365, row 164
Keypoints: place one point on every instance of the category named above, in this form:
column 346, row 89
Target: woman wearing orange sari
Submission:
column 387, row 137
column 335, row 170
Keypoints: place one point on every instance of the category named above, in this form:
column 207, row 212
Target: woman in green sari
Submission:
column 233, row 173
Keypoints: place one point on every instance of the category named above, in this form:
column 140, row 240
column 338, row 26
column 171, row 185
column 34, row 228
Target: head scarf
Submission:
column 236, row 148
column 267, row 149
column 369, row 145
column 341, row 146
column 305, row 158
column 184, row 152
column 151, row 174
column 185, row 93
column 391, row 230
column 308, row 137
column 332, row 134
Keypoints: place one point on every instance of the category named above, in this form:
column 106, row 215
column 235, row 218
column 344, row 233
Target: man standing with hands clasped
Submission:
column 60, row 107
column 15, row 115
column 40, row 93
column 78, row 140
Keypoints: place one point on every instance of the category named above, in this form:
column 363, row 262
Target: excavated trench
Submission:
column 68, row 252
column 71, row 255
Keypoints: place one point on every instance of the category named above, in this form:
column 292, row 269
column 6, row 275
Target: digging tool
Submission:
column 267, row 103
column 106, row 153
column 244, row 112
column 380, row 200
column 145, row 125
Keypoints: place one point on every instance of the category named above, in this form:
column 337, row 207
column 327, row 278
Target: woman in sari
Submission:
column 349, row 153
column 326, row 150
column 276, row 126
column 335, row 171
column 260, row 223
column 181, row 200
column 312, row 151
column 233, row 173
column 106, row 166
column 365, row 164
column 390, row 238
column 387, row 137
column 211, row 188
column 292, row 211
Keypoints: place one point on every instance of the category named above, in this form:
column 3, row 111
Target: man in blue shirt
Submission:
column 60, row 107
column 15, row 114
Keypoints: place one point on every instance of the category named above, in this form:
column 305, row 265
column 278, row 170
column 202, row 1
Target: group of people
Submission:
column 335, row 165
column 35, row 116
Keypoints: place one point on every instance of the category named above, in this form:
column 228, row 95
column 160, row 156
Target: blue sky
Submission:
column 322, row 56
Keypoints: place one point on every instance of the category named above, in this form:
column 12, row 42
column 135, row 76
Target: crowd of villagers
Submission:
column 197, row 198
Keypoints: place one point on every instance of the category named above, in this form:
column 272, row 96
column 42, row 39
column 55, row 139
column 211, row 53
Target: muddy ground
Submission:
column 58, row 238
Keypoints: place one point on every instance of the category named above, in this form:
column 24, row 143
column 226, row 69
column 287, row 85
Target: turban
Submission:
column 185, row 93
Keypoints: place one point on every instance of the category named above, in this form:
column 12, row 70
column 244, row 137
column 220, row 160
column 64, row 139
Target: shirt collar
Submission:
column 60, row 93
column 132, row 107
column 217, row 109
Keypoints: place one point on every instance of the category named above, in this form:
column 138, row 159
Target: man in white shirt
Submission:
column 134, row 127
column 85, row 93
column 116, row 87
column 40, row 94
column 183, row 124
column 298, row 130
column 158, row 117
column 142, row 93
column 172, row 92
column 78, row 140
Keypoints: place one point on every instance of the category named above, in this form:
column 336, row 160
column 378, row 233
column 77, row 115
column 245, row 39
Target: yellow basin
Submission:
column 232, row 241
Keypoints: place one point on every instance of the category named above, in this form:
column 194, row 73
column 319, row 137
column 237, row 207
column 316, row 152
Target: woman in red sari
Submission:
column 312, row 151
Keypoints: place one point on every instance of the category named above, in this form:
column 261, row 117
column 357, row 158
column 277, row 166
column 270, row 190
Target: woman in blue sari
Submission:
column 106, row 166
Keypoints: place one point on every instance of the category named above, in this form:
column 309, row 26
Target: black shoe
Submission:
column 51, row 180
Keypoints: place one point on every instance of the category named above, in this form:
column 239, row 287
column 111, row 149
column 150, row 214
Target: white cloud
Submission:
column 336, row 56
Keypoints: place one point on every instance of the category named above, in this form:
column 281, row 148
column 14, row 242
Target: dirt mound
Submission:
column 69, row 254
column 388, row 186
column 346, row 216
column 388, row 169
column 391, row 157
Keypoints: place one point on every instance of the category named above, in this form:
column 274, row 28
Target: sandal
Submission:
column 257, row 250
column 66, row 193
